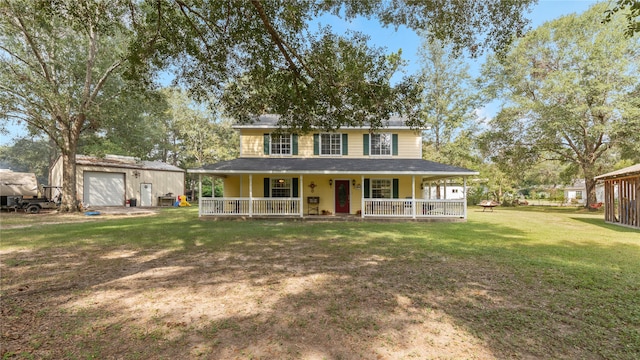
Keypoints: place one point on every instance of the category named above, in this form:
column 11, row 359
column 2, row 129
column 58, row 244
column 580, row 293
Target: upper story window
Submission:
column 330, row 144
column 280, row 144
column 381, row 144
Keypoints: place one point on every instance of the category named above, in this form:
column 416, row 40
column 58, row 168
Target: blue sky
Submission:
column 409, row 42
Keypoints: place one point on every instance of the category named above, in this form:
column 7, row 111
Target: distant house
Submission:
column 622, row 196
column 357, row 171
column 575, row 193
column 120, row 180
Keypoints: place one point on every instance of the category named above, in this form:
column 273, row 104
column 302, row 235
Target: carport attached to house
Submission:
column 104, row 188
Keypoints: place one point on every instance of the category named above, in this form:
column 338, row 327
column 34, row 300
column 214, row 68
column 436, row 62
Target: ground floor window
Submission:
column 280, row 187
column 381, row 188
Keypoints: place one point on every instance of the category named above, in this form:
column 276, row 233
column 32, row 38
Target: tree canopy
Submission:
column 266, row 57
column 448, row 103
column 570, row 89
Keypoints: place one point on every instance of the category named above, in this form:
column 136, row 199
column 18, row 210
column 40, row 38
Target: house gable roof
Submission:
column 352, row 166
column 628, row 171
column 270, row 121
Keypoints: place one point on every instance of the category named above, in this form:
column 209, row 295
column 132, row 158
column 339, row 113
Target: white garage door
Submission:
column 103, row 189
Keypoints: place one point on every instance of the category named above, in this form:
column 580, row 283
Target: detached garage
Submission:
column 118, row 180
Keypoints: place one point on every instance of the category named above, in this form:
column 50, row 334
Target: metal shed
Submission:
column 115, row 180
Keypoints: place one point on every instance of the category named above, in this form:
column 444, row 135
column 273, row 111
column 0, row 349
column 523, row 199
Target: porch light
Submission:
column 281, row 181
column 353, row 182
column 330, row 182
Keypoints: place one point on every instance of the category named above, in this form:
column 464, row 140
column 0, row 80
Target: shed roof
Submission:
column 127, row 162
column 349, row 166
column 628, row 171
column 270, row 121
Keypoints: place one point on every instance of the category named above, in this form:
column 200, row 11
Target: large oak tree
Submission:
column 569, row 89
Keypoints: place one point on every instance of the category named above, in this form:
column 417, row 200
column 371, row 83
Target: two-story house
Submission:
column 352, row 171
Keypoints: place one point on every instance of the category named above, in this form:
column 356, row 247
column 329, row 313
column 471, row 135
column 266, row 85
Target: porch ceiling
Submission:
column 332, row 165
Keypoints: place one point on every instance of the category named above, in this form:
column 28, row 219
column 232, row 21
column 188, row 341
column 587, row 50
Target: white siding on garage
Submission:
column 103, row 189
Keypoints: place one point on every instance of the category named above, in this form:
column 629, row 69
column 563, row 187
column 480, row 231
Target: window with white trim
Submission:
column 381, row 188
column 280, row 188
column 381, row 144
column 280, row 144
column 330, row 144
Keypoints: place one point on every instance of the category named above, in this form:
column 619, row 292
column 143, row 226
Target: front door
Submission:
column 342, row 196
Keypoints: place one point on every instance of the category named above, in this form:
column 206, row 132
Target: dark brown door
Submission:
column 342, row 196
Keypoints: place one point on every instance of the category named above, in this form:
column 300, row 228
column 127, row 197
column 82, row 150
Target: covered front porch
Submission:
column 298, row 207
column 356, row 188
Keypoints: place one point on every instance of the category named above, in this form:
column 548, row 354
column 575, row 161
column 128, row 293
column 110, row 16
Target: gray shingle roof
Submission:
column 270, row 121
column 126, row 162
column 364, row 166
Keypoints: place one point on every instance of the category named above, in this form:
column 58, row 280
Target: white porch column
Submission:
column 362, row 196
column 301, row 192
column 413, row 196
column 250, row 195
column 444, row 182
column 464, row 189
column 199, row 195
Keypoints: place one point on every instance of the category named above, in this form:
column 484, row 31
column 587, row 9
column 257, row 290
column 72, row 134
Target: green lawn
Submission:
column 523, row 283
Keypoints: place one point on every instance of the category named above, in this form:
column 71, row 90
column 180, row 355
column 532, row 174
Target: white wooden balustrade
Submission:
column 395, row 208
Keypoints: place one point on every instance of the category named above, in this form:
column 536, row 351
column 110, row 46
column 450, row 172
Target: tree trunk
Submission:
column 69, row 186
column 590, row 184
column 70, row 201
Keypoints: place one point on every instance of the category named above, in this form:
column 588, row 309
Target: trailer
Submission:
column 20, row 192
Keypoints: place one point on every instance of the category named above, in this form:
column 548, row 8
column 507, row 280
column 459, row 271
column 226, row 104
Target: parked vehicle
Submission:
column 19, row 191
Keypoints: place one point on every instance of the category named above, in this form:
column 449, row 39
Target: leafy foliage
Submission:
column 57, row 59
column 567, row 100
column 447, row 109
column 265, row 58
column 631, row 9
column 27, row 155
column 194, row 136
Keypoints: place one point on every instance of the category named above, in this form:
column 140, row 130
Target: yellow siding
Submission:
column 409, row 143
column 252, row 143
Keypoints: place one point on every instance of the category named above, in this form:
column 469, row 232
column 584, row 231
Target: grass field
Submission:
column 516, row 283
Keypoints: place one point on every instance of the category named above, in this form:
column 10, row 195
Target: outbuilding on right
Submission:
column 622, row 196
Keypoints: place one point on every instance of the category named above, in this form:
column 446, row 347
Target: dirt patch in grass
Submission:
column 275, row 300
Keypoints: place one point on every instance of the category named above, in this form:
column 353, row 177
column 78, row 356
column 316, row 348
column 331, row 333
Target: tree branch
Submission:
column 34, row 48
column 282, row 46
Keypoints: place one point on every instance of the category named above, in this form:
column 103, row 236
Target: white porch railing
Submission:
column 408, row 207
column 243, row 206
column 398, row 208
column 278, row 206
